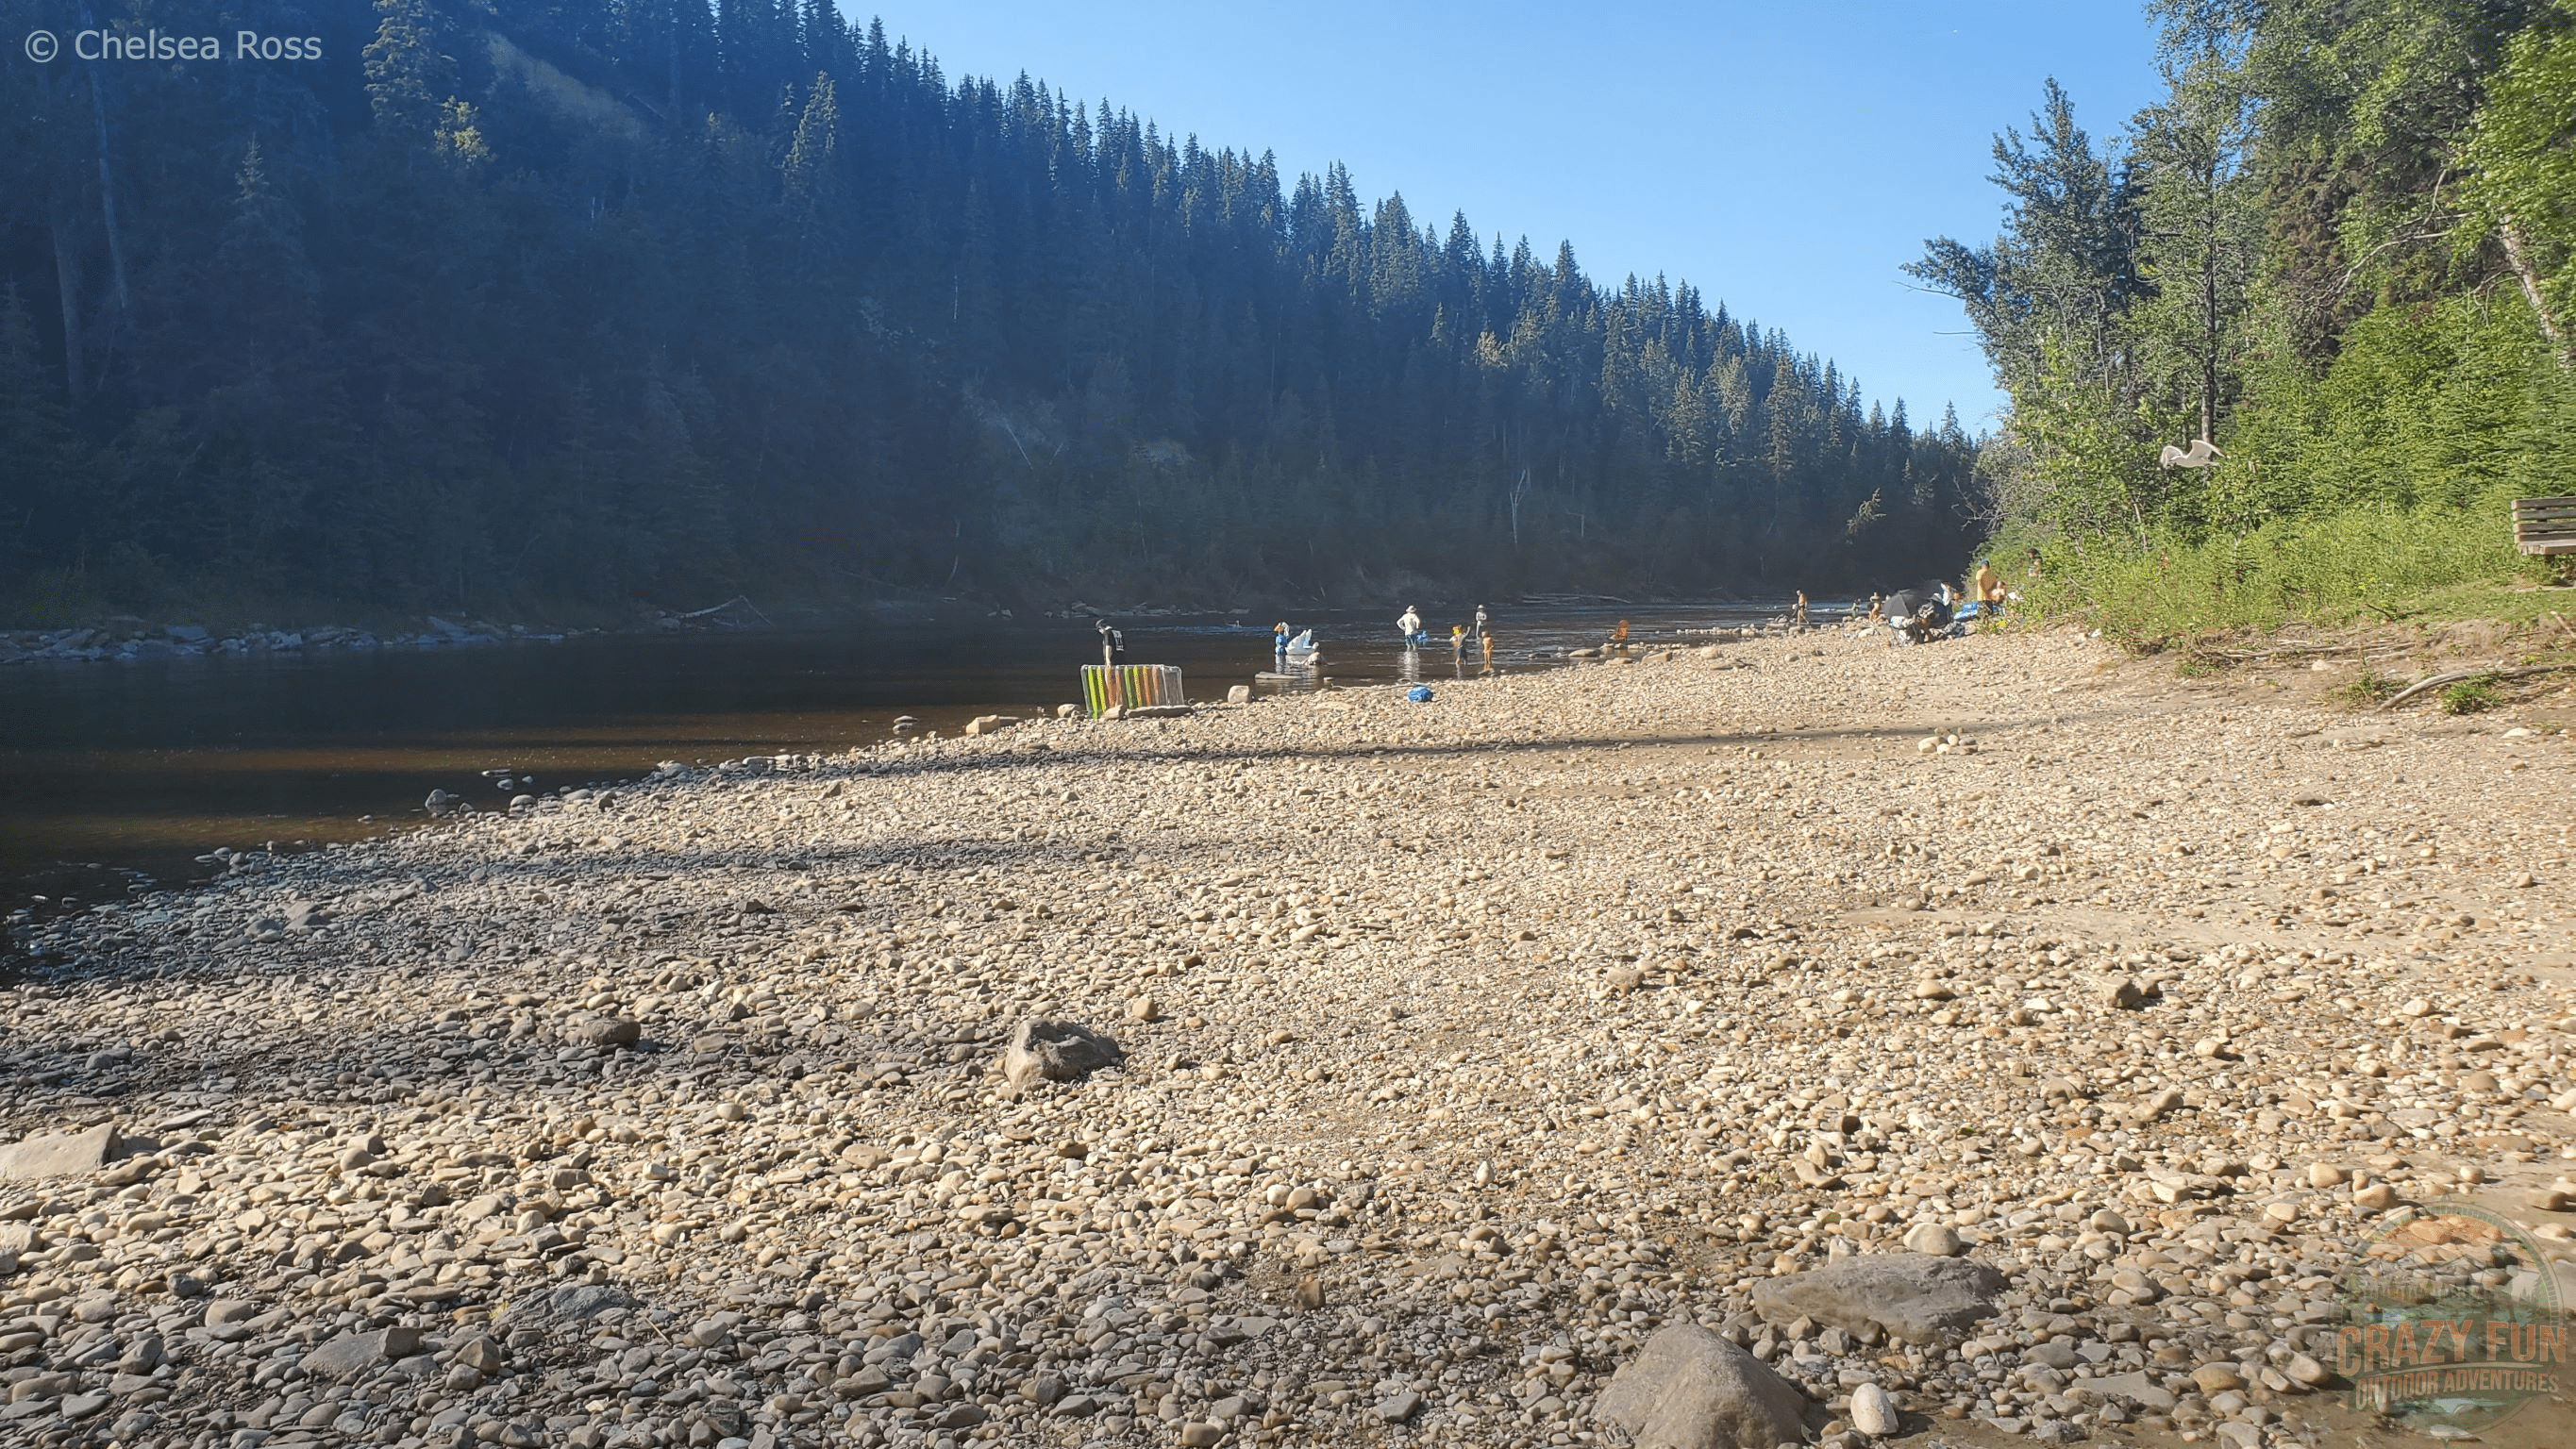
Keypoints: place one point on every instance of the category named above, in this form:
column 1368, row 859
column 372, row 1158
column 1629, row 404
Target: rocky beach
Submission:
column 1781, row 1040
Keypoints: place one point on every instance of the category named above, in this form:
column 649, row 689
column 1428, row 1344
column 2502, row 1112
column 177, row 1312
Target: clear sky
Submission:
column 1785, row 158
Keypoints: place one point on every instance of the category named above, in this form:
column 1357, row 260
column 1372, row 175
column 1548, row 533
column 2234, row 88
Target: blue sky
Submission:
column 1784, row 158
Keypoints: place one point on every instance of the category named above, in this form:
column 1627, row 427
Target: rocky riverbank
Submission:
column 1980, row 1041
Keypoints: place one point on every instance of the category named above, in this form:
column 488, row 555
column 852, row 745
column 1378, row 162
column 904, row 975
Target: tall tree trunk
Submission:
column 671, row 23
column 2209, row 348
column 106, row 179
column 67, row 280
column 2530, row 280
column 2209, row 316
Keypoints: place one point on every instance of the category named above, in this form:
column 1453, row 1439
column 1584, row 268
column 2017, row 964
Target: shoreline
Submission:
column 1466, row 1045
column 127, row 639
column 292, row 746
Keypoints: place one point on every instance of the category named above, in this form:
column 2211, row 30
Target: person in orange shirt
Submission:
column 1990, row 590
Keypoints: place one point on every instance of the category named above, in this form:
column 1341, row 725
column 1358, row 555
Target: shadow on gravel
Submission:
column 836, row 768
column 579, row 871
column 267, row 1073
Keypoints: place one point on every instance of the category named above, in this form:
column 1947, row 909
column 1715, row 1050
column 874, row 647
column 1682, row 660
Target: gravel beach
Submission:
column 1997, row 1041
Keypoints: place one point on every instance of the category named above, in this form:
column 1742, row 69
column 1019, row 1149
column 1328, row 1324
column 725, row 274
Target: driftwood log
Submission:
column 2435, row 681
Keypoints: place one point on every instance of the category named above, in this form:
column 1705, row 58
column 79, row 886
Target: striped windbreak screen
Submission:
column 1132, row 686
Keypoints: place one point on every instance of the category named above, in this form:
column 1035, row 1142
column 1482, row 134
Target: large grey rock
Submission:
column 606, row 1033
column 81, row 1152
column 1056, row 1051
column 2135, row 1388
column 1400, row 1406
column 352, row 1354
column 1909, row 1296
column 564, row 1308
column 1691, row 1389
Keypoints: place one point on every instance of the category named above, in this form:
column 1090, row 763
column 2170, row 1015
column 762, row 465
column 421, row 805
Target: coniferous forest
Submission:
column 2341, row 246
column 608, row 302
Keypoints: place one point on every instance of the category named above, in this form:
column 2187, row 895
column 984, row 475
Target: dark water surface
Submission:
column 111, row 771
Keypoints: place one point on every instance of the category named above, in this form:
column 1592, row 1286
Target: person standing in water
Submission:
column 1279, row 640
column 1798, row 614
column 1458, row 642
column 1410, row 626
column 1480, row 625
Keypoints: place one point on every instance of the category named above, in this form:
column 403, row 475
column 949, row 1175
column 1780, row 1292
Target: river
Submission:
column 114, row 776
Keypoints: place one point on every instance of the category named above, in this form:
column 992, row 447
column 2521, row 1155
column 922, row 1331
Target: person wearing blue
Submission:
column 1410, row 626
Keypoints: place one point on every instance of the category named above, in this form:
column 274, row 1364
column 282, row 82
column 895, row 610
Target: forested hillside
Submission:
column 605, row 302
column 2342, row 247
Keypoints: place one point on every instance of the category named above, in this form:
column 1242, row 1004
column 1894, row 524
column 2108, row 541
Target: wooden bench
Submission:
column 2545, row 525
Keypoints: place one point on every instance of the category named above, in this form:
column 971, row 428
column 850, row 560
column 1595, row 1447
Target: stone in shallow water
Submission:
column 1909, row 1296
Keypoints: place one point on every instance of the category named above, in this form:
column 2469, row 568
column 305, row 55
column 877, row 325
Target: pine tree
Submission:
column 407, row 74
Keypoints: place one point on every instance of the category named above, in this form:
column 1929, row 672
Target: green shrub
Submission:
column 2369, row 688
column 2469, row 696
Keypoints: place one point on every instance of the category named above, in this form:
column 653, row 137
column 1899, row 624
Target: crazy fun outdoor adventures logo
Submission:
column 2451, row 1323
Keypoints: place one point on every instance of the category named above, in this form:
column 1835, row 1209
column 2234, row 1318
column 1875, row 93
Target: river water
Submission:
column 112, row 775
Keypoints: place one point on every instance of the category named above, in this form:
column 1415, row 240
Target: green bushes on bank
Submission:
column 2369, row 561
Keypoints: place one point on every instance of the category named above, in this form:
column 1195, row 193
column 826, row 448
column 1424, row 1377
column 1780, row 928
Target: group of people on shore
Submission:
column 1934, row 608
column 1915, row 614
